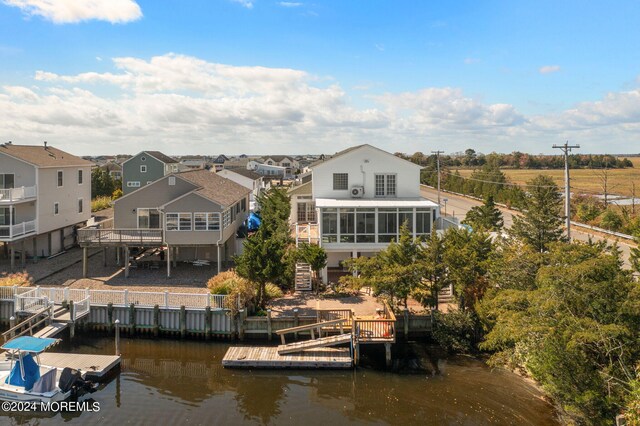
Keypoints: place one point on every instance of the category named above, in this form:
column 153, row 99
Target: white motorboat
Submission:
column 23, row 379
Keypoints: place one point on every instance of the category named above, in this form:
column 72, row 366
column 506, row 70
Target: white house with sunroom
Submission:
column 357, row 201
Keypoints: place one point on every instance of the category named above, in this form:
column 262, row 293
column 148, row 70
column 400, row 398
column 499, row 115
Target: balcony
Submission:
column 13, row 195
column 12, row 232
column 103, row 234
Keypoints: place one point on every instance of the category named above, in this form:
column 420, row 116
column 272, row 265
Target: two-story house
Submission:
column 192, row 216
column 290, row 164
column 44, row 194
column 146, row 167
column 359, row 199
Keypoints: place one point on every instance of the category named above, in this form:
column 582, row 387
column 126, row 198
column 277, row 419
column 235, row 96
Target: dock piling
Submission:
column 269, row 334
column 117, row 322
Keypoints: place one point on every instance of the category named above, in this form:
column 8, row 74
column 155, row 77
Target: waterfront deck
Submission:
column 268, row 357
column 91, row 366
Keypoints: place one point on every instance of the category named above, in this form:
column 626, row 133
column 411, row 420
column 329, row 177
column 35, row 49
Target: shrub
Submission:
column 240, row 291
column 20, row 279
column 611, row 220
column 116, row 194
column 272, row 291
column 455, row 331
column 100, row 203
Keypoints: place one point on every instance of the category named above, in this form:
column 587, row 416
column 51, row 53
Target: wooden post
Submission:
column 110, row 316
column 132, row 319
column 12, row 254
column 118, row 256
column 126, row 262
column 156, row 320
column 387, row 353
column 117, row 337
column 269, row 324
column 241, row 324
column 84, row 262
column 12, row 323
column 72, row 328
column 207, row 322
column 406, row 324
column 296, row 322
column 183, row 322
column 168, row 261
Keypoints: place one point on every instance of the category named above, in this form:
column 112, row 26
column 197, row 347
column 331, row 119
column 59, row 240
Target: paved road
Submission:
column 459, row 206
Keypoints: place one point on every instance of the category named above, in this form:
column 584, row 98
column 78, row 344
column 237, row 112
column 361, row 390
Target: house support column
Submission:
column 175, row 257
column 354, row 255
column 49, row 244
column 118, row 255
column 218, row 258
column 168, row 261
column 84, row 262
column 12, row 255
column 23, row 254
column 325, row 275
column 126, row 262
column 35, row 249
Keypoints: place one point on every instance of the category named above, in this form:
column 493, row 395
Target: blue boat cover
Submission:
column 29, row 344
column 253, row 222
column 31, row 373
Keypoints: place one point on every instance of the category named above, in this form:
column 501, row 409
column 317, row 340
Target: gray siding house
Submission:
column 191, row 215
column 146, row 167
column 45, row 193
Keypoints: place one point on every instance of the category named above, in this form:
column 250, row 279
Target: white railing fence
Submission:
column 24, row 296
column 80, row 308
column 15, row 194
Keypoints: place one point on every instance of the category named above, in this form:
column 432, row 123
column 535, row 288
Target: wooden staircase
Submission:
column 321, row 342
column 303, row 281
column 445, row 295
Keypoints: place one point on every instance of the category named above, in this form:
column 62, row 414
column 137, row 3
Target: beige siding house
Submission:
column 45, row 193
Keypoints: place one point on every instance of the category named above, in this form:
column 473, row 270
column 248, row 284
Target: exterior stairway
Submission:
column 321, row 342
column 446, row 295
column 303, row 277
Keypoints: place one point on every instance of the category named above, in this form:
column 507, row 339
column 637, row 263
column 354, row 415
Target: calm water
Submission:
column 175, row 382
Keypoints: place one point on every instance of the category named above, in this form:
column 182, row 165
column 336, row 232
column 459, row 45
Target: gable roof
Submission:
column 160, row 156
column 354, row 148
column 246, row 173
column 214, row 187
column 277, row 158
column 43, row 156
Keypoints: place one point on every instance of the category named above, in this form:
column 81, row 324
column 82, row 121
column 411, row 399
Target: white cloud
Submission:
column 72, row 11
column 548, row 69
column 289, row 4
column 181, row 104
column 244, row 3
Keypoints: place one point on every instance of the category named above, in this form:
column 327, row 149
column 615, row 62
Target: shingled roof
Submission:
column 43, row 156
column 214, row 187
column 246, row 173
column 160, row 156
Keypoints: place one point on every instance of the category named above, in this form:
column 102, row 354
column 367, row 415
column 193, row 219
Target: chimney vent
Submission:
column 45, row 144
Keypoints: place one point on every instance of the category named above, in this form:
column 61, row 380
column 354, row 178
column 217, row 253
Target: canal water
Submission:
column 170, row 382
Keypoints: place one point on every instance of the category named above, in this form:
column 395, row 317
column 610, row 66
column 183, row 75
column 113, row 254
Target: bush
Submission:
column 116, row 194
column 611, row 220
column 272, row 291
column 100, row 203
column 20, row 279
column 455, row 331
column 240, row 291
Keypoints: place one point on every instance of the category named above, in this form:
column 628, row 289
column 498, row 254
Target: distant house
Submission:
column 290, row 164
column 44, row 194
column 193, row 163
column 145, row 168
column 220, row 159
column 113, row 168
column 267, row 170
column 247, row 178
column 357, row 201
column 192, row 215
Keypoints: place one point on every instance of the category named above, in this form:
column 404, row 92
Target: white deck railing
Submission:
column 23, row 296
column 16, row 194
column 80, row 308
column 17, row 230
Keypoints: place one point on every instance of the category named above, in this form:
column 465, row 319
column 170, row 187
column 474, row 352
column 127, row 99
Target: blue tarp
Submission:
column 31, row 373
column 253, row 222
column 29, row 344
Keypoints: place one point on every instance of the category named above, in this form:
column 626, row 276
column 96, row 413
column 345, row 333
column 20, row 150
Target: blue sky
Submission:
column 269, row 76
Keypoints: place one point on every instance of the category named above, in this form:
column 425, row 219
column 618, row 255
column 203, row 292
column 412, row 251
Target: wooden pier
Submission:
column 268, row 357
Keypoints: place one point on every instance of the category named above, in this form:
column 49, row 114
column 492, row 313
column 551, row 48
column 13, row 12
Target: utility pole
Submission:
column 566, row 149
column 437, row 153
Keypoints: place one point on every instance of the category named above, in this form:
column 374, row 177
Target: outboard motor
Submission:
column 71, row 379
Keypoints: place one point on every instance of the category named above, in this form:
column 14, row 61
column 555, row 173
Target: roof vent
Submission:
column 45, row 144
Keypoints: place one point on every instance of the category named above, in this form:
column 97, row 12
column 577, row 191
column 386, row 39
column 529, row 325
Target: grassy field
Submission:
column 583, row 180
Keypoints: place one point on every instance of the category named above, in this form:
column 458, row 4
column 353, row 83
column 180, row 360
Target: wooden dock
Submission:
column 51, row 330
column 268, row 357
column 91, row 366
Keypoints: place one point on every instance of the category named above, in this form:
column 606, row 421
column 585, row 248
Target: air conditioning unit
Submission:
column 357, row 191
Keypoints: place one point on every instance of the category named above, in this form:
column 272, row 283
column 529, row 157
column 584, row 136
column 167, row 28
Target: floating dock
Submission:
column 268, row 357
column 91, row 366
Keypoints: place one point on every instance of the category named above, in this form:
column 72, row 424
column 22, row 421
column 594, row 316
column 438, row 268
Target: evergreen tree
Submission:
column 485, row 217
column 541, row 222
column 634, row 257
column 314, row 255
column 435, row 270
column 264, row 251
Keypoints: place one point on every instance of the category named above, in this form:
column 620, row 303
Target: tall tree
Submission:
column 435, row 270
column 264, row 251
column 102, row 184
column 485, row 217
column 541, row 222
